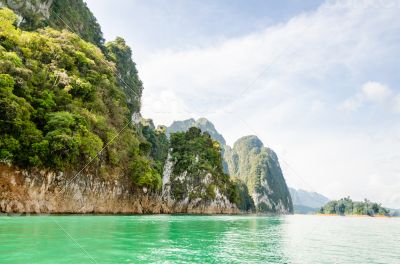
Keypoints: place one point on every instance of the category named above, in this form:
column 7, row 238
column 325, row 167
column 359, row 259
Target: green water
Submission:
column 204, row 239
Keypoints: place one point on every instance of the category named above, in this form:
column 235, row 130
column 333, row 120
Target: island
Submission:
column 347, row 206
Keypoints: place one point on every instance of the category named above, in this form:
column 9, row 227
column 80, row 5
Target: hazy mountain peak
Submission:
column 249, row 142
column 307, row 198
column 203, row 123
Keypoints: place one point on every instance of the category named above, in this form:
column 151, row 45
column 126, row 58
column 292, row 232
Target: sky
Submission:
column 317, row 81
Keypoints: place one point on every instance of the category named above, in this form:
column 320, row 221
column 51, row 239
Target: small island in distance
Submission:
column 347, row 206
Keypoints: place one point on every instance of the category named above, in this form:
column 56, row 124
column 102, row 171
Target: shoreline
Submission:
column 357, row 215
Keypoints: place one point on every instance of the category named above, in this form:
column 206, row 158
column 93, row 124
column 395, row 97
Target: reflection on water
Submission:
column 205, row 239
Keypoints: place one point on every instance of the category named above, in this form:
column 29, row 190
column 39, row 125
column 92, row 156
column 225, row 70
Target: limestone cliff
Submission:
column 188, row 202
column 40, row 191
column 254, row 169
column 259, row 168
column 193, row 177
column 46, row 192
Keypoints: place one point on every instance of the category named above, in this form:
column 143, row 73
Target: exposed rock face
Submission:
column 49, row 192
column 185, row 204
column 60, row 193
column 258, row 167
column 40, row 8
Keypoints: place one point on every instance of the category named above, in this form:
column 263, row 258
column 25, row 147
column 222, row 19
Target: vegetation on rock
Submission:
column 346, row 206
column 158, row 144
column 258, row 167
column 61, row 104
column 250, row 165
column 127, row 73
column 197, row 168
column 245, row 202
column 73, row 15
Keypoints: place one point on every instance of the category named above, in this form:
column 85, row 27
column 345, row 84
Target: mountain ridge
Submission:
column 307, row 202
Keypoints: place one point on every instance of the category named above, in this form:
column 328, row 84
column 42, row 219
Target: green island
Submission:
column 347, row 206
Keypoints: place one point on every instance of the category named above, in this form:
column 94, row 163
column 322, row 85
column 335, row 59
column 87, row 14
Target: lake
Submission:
column 202, row 239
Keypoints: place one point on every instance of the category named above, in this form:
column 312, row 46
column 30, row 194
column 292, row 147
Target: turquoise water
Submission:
column 204, row 239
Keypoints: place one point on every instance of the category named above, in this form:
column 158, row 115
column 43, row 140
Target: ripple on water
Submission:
column 201, row 239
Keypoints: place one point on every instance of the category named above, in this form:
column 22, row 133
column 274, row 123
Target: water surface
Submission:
column 205, row 239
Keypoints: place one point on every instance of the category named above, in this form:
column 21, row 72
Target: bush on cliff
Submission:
column 61, row 104
column 197, row 170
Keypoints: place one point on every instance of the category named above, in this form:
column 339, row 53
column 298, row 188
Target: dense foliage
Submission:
column 158, row 144
column 346, row 206
column 73, row 15
column 197, row 170
column 245, row 202
column 128, row 77
column 61, row 104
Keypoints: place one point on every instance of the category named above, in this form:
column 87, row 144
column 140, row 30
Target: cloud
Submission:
column 311, row 55
column 373, row 92
column 284, row 84
column 166, row 105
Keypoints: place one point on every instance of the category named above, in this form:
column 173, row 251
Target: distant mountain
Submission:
column 302, row 209
column 202, row 123
column 258, row 167
column 394, row 212
column 305, row 202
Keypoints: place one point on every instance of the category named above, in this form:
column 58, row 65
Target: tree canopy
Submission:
column 61, row 104
column 346, row 206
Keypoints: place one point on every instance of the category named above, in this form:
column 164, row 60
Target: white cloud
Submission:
column 301, row 58
column 273, row 82
column 373, row 92
column 166, row 105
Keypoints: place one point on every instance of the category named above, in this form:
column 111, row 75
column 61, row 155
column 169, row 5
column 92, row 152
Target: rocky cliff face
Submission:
column 193, row 177
column 42, row 191
column 45, row 192
column 189, row 202
column 258, row 167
